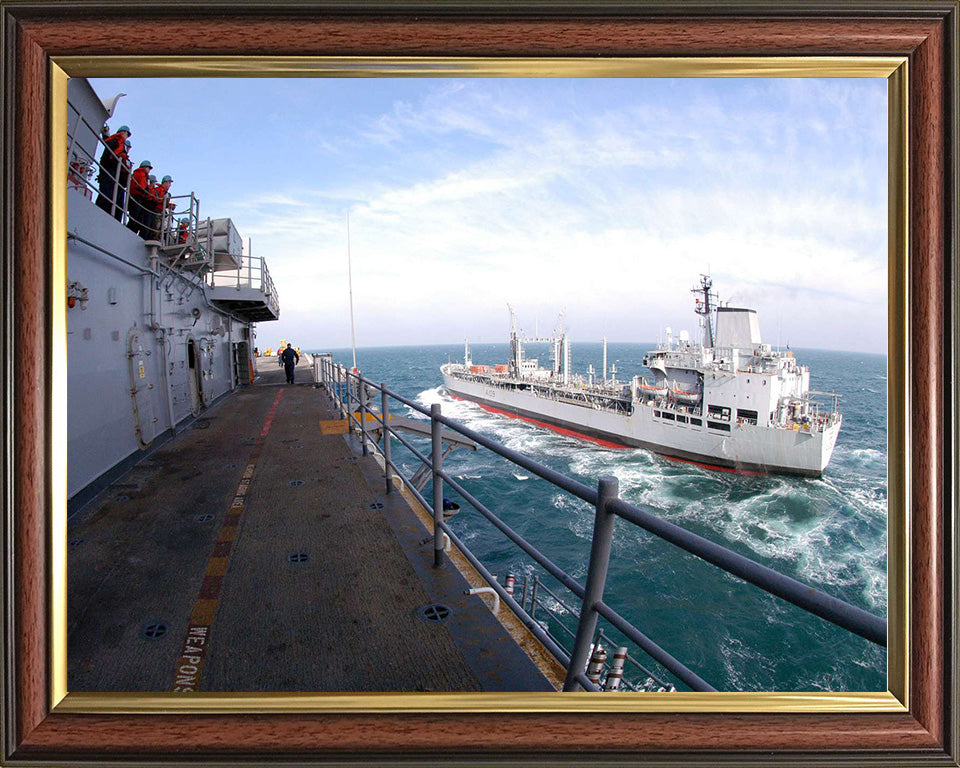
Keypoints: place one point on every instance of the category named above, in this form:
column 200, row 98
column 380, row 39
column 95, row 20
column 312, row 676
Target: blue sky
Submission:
column 604, row 198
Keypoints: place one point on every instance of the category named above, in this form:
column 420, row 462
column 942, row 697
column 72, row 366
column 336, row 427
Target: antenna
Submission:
column 353, row 337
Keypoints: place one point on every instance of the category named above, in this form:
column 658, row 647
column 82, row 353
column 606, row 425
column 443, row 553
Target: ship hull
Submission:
column 746, row 449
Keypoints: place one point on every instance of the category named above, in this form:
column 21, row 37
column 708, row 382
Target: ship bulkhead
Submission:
column 157, row 330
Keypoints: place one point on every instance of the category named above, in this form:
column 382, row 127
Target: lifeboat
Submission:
column 652, row 390
column 682, row 396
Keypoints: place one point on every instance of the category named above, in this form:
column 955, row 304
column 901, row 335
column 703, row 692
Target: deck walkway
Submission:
column 248, row 554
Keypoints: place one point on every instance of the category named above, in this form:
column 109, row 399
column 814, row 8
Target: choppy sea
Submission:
column 829, row 532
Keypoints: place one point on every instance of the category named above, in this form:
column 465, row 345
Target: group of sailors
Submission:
column 147, row 196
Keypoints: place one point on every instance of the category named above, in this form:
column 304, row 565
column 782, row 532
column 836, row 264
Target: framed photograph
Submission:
column 914, row 51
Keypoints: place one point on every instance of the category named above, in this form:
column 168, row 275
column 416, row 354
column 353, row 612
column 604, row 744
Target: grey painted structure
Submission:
column 156, row 329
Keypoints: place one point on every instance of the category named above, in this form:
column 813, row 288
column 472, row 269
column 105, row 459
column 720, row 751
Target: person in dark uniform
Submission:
column 290, row 358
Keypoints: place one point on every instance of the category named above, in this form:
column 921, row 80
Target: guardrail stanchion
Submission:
column 607, row 491
column 362, row 401
column 533, row 595
column 437, row 463
column 335, row 375
column 347, row 388
column 384, row 414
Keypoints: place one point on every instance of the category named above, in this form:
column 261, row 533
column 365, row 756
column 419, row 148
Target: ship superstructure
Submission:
column 728, row 401
column 158, row 326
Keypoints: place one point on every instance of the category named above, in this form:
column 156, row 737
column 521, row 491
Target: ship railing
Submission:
column 86, row 175
column 532, row 594
column 252, row 273
column 85, row 147
column 351, row 393
column 180, row 232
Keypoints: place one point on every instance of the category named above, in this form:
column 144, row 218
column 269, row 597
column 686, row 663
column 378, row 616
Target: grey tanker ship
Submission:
column 728, row 402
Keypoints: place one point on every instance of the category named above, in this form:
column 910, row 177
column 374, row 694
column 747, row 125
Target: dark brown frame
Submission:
column 925, row 32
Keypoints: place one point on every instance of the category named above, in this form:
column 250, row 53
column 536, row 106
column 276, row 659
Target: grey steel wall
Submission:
column 101, row 424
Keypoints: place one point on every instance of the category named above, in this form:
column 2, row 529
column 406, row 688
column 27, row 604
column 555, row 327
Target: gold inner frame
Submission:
column 894, row 69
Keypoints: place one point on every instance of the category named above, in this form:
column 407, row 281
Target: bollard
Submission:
column 595, row 667
column 510, row 583
column 615, row 675
column 607, row 490
column 437, row 442
column 384, row 413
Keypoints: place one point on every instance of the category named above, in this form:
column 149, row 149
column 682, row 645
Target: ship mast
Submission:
column 604, row 359
column 516, row 346
column 704, row 307
column 353, row 337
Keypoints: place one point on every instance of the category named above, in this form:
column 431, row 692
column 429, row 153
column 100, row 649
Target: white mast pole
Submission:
column 604, row 359
column 353, row 337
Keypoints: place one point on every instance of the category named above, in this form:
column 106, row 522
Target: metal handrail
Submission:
column 605, row 498
column 251, row 273
column 348, row 384
column 82, row 164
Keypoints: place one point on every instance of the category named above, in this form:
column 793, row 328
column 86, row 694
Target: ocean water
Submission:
column 828, row 532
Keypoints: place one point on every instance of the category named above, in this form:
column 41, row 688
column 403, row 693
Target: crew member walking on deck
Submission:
column 290, row 358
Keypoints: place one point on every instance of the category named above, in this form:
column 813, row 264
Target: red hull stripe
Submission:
column 715, row 467
column 545, row 425
column 604, row 443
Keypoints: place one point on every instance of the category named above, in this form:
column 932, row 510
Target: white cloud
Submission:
column 611, row 216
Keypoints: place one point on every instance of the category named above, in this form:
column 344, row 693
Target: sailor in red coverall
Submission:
column 158, row 198
column 140, row 203
column 112, row 162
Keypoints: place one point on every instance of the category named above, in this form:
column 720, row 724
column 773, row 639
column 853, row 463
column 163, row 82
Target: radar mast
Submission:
column 704, row 306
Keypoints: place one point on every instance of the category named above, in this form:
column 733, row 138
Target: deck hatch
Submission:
column 434, row 613
column 299, row 556
column 154, row 630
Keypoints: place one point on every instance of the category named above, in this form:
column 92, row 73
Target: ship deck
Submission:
column 248, row 553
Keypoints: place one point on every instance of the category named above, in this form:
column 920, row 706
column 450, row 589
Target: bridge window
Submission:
column 717, row 425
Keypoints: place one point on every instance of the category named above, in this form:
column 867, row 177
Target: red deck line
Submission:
column 189, row 670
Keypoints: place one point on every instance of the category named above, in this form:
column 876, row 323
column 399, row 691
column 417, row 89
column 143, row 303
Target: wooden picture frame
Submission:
column 37, row 35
